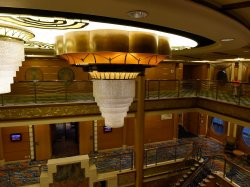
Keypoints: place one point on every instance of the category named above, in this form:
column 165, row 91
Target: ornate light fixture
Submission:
column 11, row 53
column 113, row 59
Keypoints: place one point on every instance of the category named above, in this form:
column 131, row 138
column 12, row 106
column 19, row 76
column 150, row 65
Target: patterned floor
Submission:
column 21, row 173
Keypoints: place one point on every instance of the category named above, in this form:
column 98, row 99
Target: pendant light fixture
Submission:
column 113, row 59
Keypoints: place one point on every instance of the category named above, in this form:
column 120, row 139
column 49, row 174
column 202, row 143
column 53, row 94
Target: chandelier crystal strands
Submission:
column 11, row 53
column 113, row 59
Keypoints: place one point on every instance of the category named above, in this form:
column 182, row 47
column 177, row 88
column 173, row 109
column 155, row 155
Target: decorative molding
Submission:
column 38, row 45
column 33, row 73
column 52, row 111
column 44, row 22
column 66, row 74
column 47, row 111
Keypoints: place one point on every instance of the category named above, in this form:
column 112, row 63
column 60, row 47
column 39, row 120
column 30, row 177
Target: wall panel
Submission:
column 16, row 150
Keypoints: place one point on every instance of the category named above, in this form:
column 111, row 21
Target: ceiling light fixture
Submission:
column 11, row 53
column 113, row 59
column 227, row 39
column 137, row 14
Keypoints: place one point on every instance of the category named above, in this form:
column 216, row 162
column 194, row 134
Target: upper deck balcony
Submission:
column 50, row 99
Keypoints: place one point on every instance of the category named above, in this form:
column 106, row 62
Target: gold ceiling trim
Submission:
column 44, row 23
column 13, row 32
column 112, row 47
column 38, row 45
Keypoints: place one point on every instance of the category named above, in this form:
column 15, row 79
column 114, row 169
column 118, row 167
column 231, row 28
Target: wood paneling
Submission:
column 130, row 127
column 202, row 124
column 50, row 68
column 16, row 150
column 162, row 71
column 157, row 130
column 85, row 137
column 195, row 72
column 109, row 140
column 43, row 148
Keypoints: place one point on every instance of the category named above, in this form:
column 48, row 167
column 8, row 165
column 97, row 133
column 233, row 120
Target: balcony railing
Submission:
column 39, row 92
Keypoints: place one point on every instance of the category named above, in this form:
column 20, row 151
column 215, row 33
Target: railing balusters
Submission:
column 2, row 99
column 153, row 89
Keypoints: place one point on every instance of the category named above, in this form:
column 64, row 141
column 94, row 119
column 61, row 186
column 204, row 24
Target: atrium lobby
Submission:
column 125, row 93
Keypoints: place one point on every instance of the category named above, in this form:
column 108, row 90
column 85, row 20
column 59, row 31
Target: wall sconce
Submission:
column 113, row 59
column 11, row 53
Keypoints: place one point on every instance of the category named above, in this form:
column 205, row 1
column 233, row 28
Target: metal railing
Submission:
column 125, row 159
column 236, row 93
column 160, row 154
column 219, row 164
column 36, row 92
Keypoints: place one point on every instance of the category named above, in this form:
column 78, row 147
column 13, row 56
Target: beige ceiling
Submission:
column 213, row 19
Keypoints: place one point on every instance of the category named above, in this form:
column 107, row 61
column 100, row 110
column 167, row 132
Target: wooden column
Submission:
column 1, row 146
column 139, row 131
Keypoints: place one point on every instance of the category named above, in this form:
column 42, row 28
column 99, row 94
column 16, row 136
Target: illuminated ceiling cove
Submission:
column 46, row 29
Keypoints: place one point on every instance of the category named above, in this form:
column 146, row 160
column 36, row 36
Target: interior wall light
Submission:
column 11, row 53
column 138, row 14
column 113, row 59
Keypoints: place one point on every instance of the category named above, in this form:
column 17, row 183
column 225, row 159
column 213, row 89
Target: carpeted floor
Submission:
column 21, row 173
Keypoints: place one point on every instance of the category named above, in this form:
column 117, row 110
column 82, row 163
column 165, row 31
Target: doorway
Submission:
column 65, row 139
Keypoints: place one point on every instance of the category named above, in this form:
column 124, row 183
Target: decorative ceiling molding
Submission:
column 45, row 23
column 38, row 45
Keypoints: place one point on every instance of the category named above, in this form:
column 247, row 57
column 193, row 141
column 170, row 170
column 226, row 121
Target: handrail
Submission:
column 166, row 146
column 80, row 90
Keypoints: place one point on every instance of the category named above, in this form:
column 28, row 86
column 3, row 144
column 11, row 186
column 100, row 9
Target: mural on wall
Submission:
column 66, row 74
column 70, row 174
column 33, row 73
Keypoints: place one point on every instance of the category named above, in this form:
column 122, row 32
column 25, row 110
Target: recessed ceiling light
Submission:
column 246, row 51
column 227, row 39
column 137, row 14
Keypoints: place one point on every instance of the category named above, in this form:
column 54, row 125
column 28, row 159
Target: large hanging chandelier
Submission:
column 113, row 59
column 11, row 53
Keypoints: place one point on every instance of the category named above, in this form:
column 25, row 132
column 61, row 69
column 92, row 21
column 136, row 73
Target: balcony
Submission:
column 49, row 99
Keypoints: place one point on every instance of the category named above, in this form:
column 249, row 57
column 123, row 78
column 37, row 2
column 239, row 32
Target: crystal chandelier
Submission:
column 11, row 54
column 113, row 59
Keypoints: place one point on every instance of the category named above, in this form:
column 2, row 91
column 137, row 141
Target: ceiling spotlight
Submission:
column 227, row 39
column 138, row 14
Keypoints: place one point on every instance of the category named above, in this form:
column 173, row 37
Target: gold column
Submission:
column 235, row 70
column 139, row 131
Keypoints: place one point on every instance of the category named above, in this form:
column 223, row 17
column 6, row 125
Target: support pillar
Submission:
column 139, row 131
column 31, row 137
column 95, row 131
